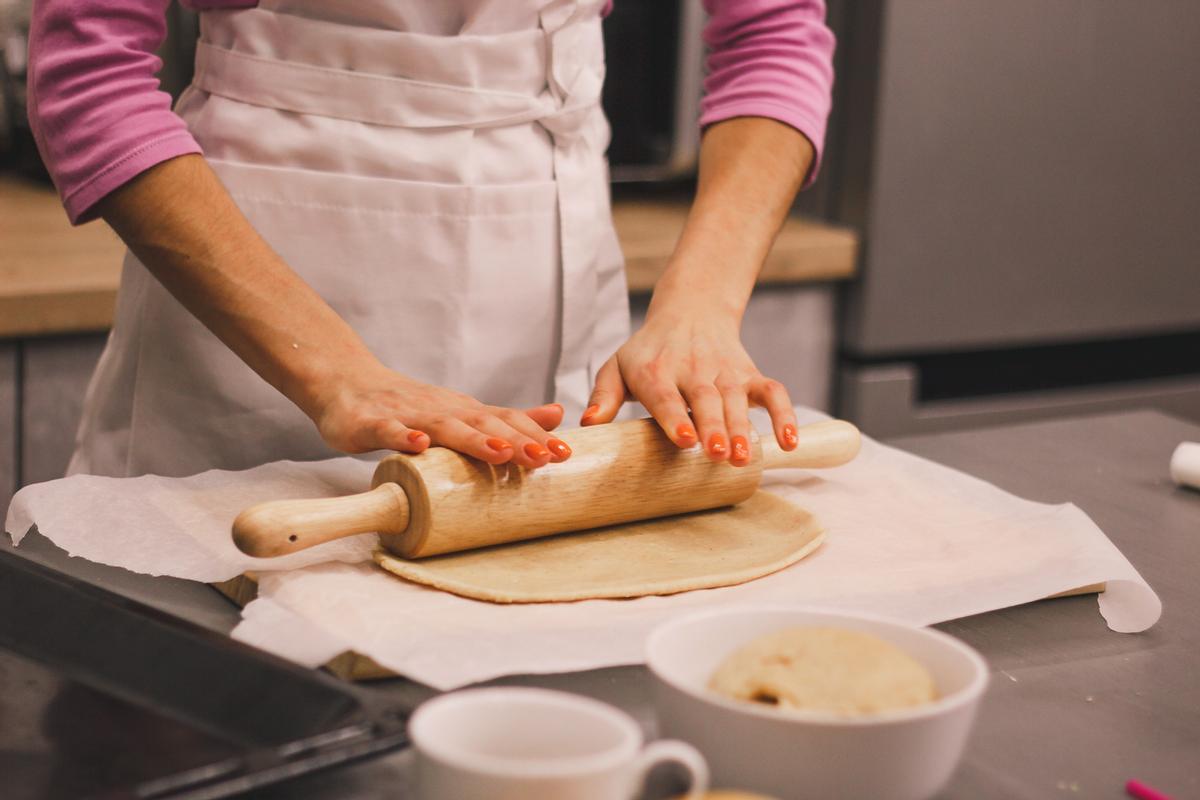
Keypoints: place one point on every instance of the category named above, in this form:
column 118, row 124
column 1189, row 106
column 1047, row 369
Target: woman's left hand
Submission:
column 689, row 354
column 678, row 361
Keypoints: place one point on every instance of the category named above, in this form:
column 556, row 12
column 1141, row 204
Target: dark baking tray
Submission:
column 104, row 696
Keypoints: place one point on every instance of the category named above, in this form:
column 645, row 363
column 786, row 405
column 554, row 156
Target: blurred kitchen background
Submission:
column 1006, row 226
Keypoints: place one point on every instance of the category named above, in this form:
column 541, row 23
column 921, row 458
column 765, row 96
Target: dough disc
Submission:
column 722, row 547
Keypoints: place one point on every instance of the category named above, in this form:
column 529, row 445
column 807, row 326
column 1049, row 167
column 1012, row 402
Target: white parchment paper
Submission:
column 906, row 538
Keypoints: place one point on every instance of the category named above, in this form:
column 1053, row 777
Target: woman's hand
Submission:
column 688, row 354
column 385, row 410
column 681, row 361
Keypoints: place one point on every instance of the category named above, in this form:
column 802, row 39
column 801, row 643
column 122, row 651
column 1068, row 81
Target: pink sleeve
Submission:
column 94, row 103
column 770, row 58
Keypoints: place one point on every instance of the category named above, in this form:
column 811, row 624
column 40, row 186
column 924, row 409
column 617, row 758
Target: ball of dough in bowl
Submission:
column 830, row 670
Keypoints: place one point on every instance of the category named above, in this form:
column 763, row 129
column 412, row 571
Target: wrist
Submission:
column 318, row 379
column 683, row 301
column 694, row 288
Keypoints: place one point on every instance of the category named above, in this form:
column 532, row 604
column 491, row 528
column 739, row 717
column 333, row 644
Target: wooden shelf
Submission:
column 58, row 279
column 806, row 251
column 53, row 278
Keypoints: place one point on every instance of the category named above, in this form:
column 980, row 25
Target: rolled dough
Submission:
column 703, row 550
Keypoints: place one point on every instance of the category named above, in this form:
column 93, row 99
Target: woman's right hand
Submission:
column 384, row 410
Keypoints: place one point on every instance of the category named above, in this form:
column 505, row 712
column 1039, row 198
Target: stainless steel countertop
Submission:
column 1073, row 710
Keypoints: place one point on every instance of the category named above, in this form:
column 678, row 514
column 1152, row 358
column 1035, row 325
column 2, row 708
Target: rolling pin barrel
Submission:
column 442, row 501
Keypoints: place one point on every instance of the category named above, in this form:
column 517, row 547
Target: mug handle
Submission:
column 681, row 753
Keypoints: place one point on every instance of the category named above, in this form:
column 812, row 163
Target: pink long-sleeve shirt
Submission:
column 100, row 118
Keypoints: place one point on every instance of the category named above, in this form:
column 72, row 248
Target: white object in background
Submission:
column 906, row 754
column 1185, row 465
column 522, row 743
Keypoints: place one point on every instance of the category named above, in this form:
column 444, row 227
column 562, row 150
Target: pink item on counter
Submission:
column 1143, row 792
column 100, row 118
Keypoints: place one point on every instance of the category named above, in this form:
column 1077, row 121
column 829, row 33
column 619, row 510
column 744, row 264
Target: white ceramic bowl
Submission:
column 900, row 755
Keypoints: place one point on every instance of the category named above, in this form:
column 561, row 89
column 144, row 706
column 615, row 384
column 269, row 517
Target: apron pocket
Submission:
column 452, row 284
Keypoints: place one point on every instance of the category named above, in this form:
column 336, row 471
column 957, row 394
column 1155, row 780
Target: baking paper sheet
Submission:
column 906, row 538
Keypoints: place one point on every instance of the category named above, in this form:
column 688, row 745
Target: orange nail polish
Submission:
column 741, row 449
column 498, row 444
column 686, row 434
column 789, row 436
column 589, row 413
column 716, row 445
column 535, row 451
column 415, row 436
column 559, row 448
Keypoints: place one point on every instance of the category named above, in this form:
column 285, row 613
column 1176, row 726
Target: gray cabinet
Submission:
column 54, row 377
column 1025, row 176
column 8, row 423
column 42, row 386
column 1035, row 176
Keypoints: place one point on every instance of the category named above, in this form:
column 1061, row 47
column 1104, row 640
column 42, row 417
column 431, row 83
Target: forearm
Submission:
column 182, row 224
column 179, row 220
column 750, row 171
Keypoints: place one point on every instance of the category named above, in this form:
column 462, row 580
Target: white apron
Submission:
column 433, row 169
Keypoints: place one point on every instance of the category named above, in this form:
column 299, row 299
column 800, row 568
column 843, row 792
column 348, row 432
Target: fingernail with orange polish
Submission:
column 716, row 445
column 415, row 436
column 559, row 448
column 589, row 413
column 789, row 436
column 498, row 444
column 535, row 451
column 685, row 434
column 741, row 449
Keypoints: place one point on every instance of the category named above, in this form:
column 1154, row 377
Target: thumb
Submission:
column 607, row 396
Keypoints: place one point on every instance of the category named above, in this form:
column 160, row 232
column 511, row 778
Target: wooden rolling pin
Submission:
column 442, row 501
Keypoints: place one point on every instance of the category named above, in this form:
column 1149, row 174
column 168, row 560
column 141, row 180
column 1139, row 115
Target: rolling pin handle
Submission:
column 821, row 445
column 281, row 527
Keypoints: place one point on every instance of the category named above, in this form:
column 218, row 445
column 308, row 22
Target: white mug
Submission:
column 520, row 743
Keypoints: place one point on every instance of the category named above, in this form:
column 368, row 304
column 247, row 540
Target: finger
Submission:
column 521, row 422
column 391, row 434
column 773, row 396
column 737, row 423
column 452, row 432
column 549, row 416
column 607, row 396
column 528, row 452
column 664, row 402
column 708, row 412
